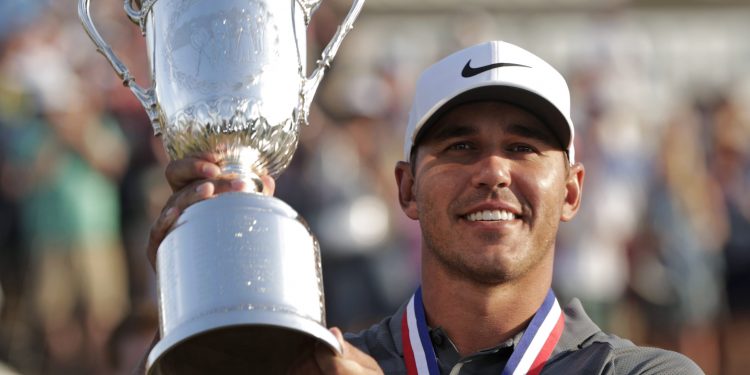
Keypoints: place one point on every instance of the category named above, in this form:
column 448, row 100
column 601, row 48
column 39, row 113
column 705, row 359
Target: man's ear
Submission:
column 573, row 192
column 405, row 183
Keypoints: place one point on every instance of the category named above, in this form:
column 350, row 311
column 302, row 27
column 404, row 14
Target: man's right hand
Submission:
column 192, row 180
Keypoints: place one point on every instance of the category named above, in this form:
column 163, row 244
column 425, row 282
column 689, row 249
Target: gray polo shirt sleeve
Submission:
column 641, row 360
column 585, row 349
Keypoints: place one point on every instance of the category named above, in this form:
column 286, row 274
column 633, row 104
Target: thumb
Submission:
column 340, row 338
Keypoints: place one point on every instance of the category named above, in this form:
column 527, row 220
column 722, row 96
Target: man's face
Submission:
column 489, row 187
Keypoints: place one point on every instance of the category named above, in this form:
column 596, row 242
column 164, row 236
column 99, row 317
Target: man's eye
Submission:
column 521, row 148
column 460, row 146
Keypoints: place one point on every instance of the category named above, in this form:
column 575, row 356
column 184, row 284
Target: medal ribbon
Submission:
column 529, row 356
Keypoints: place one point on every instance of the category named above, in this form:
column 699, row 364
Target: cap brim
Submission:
column 533, row 103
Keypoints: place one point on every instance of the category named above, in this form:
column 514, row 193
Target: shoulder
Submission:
column 615, row 357
column 644, row 360
column 609, row 354
column 587, row 349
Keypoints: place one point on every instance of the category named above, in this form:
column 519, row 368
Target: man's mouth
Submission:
column 491, row 215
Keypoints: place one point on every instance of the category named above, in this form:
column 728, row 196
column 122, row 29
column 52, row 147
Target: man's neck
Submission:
column 479, row 316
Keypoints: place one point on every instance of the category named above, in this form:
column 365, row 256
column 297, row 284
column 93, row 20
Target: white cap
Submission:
column 493, row 71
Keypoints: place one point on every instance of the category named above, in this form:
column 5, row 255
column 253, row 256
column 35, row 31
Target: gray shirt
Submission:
column 582, row 349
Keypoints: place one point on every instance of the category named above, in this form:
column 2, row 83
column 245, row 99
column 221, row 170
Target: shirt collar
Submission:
column 578, row 328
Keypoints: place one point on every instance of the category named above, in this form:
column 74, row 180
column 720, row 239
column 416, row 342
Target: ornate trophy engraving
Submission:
column 239, row 278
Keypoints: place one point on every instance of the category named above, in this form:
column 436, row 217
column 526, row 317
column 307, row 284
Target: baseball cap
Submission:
column 498, row 71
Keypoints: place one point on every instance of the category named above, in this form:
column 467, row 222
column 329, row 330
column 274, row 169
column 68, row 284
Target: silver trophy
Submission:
column 239, row 276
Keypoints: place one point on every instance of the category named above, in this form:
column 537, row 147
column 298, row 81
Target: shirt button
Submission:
column 437, row 338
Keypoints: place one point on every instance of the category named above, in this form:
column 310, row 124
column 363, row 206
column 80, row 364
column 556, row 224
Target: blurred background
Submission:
column 660, row 252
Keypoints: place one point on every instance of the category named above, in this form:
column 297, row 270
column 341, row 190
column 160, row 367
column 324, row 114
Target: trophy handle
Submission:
column 146, row 97
column 139, row 16
column 311, row 83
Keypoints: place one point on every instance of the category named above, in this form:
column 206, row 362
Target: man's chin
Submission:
column 485, row 271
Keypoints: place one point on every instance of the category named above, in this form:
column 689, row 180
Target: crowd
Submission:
column 660, row 251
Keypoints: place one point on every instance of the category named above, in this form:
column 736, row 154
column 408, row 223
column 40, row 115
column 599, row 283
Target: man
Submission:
column 490, row 174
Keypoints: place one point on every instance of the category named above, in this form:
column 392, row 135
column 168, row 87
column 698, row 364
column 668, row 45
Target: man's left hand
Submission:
column 325, row 362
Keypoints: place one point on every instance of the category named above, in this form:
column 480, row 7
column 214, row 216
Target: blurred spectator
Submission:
column 4, row 369
column 677, row 266
column 341, row 166
column 730, row 143
column 613, row 144
column 14, row 106
column 128, row 343
column 65, row 160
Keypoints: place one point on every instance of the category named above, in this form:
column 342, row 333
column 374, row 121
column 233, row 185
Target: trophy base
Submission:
column 268, row 343
column 240, row 289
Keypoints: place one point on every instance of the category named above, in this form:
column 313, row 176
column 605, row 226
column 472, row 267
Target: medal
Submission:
column 529, row 356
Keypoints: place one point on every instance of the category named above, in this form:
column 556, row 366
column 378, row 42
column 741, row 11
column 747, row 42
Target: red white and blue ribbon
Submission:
column 529, row 356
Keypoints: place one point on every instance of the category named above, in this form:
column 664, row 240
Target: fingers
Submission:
column 269, row 185
column 351, row 361
column 340, row 338
column 305, row 365
column 183, row 172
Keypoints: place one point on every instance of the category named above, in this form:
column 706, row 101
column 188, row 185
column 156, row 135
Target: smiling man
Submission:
column 489, row 172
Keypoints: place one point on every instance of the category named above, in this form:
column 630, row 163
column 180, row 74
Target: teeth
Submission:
column 490, row 215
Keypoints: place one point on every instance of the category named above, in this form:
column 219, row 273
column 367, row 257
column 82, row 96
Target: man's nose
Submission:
column 492, row 171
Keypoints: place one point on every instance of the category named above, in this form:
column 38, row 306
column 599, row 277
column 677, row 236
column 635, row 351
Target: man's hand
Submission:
column 325, row 362
column 192, row 180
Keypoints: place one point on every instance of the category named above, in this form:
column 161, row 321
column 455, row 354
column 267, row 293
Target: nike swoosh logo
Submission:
column 468, row 71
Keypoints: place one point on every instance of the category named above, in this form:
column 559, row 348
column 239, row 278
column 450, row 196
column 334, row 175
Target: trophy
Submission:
column 239, row 275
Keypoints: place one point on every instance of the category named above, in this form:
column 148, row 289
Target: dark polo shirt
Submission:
column 583, row 349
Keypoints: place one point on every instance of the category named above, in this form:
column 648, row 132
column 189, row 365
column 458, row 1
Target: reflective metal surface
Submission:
column 228, row 79
column 265, row 273
column 228, row 76
column 239, row 276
